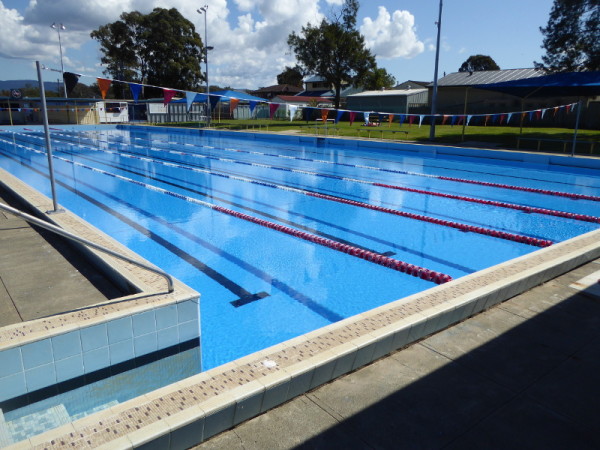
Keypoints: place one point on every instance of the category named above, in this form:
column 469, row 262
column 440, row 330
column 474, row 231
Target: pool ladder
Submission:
column 73, row 237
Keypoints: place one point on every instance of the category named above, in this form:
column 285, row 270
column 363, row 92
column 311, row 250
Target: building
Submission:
column 271, row 92
column 395, row 101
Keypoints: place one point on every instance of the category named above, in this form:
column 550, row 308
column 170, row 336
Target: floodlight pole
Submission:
column 58, row 27
column 435, row 77
column 48, row 142
column 203, row 10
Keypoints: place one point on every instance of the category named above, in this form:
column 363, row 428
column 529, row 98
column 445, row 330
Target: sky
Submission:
column 250, row 36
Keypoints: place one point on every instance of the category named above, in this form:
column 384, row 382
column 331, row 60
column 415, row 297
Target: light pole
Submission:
column 58, row 27
column 203, row 10
column 435, row 77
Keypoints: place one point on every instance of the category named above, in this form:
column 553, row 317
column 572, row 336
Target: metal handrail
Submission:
column 58, row 230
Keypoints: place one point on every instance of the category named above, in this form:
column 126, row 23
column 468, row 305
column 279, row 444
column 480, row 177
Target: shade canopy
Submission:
column 570, row 84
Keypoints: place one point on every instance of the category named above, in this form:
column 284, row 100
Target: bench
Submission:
column 565, row 142
column 381, row 131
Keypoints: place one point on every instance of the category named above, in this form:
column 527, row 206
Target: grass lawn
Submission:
column 492, row 136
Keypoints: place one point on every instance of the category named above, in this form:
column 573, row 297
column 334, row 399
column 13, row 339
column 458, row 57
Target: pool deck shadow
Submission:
column 41, row 275
column 522, row 374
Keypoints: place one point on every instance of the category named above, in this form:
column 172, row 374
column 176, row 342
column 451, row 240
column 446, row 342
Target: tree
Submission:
column 572, row 37
column 477, row 63
column 161, row 48
column 292, row 76
column 378, row 79
column 335, row 49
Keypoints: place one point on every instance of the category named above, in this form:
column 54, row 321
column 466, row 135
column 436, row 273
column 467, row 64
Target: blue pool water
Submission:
column 260, row 286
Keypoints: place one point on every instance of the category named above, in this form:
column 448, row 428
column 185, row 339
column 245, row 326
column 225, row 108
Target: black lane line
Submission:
column 394, row 162
column 217, row 172
column 304, row 300
column 123, row 168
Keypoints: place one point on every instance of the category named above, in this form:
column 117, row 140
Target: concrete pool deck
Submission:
column 197, row 408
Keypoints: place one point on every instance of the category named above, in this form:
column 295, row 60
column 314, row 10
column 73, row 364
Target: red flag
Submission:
column 324, row 114
column 272, row 108
column 502, row 117
column 352, row 117
column 233, row 104
column 168, row 95
column 568, row 108
column 411, row 119
column 103, row 84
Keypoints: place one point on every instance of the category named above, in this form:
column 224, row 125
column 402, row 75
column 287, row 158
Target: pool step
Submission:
column 38, row 422
column 5, row 435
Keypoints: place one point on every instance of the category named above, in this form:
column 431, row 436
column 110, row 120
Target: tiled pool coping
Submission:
column 192, row 410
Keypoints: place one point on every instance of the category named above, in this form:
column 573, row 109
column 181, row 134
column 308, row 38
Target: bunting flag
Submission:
column 530, row 114
column 214, row 99
column 444, row 119
column 568, row 108
column 233, row 103
column 538, row 114
column 380, row 117
column 253, row 104
column 168, row 95
column 71, row 80
column 508, row 117
column 502, row 118
column 402, row 119
column 555, row 110
column 469, row 119
column 272, row 109
column 338, row 116
column 135, row 89
column 453, row 120
column 189, row 99
column 544, row 112
column 411, row 119
column 352, row 117
column 390, row 119
column 367, row 115
column 292, row 109
column 495, row 119
column 421, row 120
column 324, row 114
column 103, row 85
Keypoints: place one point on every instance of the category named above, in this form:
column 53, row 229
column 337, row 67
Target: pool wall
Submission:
column 192, row 410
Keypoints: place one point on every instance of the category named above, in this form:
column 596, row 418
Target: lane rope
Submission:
column 385, row 261
column 457, row 225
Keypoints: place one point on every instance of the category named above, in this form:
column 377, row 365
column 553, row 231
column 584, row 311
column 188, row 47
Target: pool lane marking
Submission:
column 396, row 171
column 457, row 225
column 124, row 168
column 291, row 149
column 385, row 261
column 221, row 279
column 517, row 207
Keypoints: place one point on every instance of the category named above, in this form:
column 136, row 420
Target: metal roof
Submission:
column 486, row 77
column 389, row 93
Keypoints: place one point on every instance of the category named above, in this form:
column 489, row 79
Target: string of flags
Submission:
column 370, row 117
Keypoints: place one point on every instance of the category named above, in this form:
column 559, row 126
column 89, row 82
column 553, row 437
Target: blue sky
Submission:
column 250, row 36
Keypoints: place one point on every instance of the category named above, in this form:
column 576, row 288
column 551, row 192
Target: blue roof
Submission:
column 556, row 85
column 201, row 98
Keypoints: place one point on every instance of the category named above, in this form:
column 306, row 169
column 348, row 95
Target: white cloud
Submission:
column 392, row 36
column 249, row 50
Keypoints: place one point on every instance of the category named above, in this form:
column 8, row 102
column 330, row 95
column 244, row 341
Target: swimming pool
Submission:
column 216, row 212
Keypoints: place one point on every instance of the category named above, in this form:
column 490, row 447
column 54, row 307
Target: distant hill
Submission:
column 20, row 84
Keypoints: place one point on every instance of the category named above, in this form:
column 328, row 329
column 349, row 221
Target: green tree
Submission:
column 292, row 76
column 572, row 37
column 334, row 50
column 378, row 79
column 161, row 48
column 477, row 63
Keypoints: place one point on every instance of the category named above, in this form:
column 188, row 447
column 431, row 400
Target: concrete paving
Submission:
column 520, row 375
column 41, row 275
